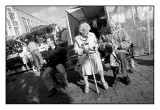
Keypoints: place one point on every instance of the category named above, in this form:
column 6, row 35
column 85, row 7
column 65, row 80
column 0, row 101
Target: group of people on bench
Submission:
column 114, row 43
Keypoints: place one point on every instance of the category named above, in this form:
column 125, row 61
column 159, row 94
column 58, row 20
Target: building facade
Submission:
column 19, row 22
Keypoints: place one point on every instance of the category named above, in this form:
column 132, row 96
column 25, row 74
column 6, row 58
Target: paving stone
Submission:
column 122, row 91
column 147, row 68
column 92, row 87
column 134, row 89
column 104, row 100
column 137, row 76
column 74, row 91
column 71, row 85
column 129, row 102
column 118, row 99
column 76, row 102
column 77, row 96
column 145, row 101
column 133, row 81
column 145, row 87
column 134, row 96
column 63, row 99
column 89, row 102
column 148, row 94
column 142, row 79
column 109, row 92
column 119, row 85
column 142, row 72
column 150, row 78
column 88, row 96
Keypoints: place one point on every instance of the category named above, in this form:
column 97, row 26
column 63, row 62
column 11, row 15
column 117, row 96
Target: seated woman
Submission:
column 86, row 47
column 56, row 59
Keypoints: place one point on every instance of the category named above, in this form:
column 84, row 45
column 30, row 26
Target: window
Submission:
column 25, row 24
column 15, row 23
column 11, row 16
column 32, row 24
column 16, row 30
column 29, row 23
column 9, row 24
column 8, row 9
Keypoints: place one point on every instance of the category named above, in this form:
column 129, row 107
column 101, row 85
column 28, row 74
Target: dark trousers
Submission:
column 37, row 57
column 122, row 57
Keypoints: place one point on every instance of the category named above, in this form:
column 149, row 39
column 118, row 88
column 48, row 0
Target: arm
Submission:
column 91, row 45
column 126, row 40
column 77, row 47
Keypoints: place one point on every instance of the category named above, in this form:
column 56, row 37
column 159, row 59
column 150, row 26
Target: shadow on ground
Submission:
column 75, row 78
column 28, row 88
column 144, row 62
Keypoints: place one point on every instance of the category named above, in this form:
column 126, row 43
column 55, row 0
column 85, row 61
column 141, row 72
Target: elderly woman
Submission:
column 86, row 47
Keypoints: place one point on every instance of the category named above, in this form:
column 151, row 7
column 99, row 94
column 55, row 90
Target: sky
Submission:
column 51, row 14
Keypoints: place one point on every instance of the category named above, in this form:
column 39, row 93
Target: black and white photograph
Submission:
column 79, row 54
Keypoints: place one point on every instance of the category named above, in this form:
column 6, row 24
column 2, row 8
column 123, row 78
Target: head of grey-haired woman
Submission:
column 84, row 29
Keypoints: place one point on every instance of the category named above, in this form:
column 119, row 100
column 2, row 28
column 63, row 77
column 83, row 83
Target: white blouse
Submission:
column 82, row 43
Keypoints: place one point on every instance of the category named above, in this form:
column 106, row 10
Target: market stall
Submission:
column 76, row 15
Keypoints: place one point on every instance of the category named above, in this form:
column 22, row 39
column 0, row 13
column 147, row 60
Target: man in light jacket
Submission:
column 120, row 41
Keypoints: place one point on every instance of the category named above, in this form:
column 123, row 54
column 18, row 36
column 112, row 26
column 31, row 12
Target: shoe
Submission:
column 86, row 89
column 127, row 80
column 52, row 92
column 65, row 86
column 114, row 82
column 105, row 85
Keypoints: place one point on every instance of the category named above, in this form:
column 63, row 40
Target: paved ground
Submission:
column 28, row 88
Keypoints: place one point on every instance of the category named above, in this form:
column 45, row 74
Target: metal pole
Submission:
column 70, row 41
column 93, row 74
column 148, row 33
column 106, row 12
column 133, row 17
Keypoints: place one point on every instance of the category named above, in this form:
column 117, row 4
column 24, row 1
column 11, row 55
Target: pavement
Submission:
column 29, row 88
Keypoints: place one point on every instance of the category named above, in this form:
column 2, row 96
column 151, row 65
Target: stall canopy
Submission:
column 76, row 15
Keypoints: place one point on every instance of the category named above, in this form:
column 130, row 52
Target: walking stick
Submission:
column 93, row 74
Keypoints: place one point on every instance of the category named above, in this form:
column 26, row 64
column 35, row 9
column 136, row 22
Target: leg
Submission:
column 47, row 79
column 85, row 77
column 115, row 75
column 36, row 62
column 105, row 84
column 124, row 62
column 63, row 73
column 39, row 57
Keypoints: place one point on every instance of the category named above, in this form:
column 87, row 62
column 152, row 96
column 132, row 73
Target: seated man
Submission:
column 120, row 42
column 56, row 59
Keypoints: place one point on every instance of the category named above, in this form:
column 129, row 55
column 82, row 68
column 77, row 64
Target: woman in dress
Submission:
column 85, row 46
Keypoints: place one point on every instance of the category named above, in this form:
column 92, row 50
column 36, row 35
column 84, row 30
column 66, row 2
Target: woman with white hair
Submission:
column 85, row 46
